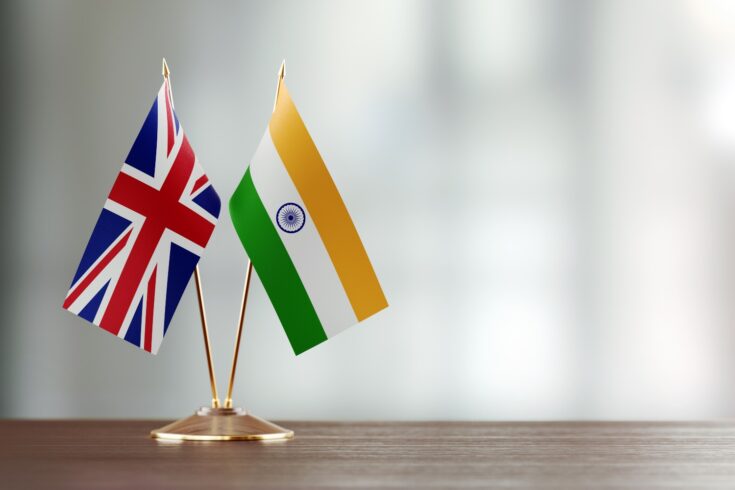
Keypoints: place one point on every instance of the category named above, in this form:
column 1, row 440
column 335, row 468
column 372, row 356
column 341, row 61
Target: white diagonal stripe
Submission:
column 305, row 247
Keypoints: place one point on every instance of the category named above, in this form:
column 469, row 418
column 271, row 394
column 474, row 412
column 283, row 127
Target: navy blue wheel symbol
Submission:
column 291, row 217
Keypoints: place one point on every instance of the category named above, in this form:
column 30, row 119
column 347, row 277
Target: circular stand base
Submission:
column 222, row 424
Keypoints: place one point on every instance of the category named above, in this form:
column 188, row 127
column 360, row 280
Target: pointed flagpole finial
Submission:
column 164, row 69
column 281, row 75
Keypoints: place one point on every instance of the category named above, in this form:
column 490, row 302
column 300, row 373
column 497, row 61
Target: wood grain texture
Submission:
column 560, row 455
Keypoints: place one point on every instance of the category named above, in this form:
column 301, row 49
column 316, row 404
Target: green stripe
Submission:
column 275, row 268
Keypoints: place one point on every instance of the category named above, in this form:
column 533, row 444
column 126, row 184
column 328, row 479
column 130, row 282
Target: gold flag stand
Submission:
column 226, row 423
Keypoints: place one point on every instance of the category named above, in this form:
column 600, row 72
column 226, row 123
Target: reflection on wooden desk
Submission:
column 569, row 455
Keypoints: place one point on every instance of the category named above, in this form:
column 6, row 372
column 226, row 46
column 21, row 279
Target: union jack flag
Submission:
column 150, row 235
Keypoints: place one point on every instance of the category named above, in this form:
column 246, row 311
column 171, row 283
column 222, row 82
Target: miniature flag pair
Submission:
column 162, row 210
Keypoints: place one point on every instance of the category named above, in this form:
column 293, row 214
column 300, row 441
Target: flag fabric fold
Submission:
column 154, row 226
column 300, row 237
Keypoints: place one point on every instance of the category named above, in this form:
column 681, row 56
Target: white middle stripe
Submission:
column 305, row 247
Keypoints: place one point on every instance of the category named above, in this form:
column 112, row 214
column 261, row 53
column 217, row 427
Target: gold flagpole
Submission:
column 243, row 304
column 200, row 297
column 205, row 331
column 281, row 74
column 246, row 286
column 225, row 423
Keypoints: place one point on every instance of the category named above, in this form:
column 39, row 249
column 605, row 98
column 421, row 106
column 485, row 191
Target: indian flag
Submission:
column 299, row 236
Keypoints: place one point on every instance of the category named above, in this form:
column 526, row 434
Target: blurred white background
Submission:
column 545, row 189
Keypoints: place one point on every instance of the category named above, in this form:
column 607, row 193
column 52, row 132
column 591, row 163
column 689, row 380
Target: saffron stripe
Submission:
column 311, row 177
column 95, row 272
column 275, row 268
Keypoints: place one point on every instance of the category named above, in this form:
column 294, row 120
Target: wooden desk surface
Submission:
column 563, row 455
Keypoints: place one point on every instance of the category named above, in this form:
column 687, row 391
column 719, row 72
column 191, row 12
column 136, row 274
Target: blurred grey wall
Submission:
column 545, row 189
